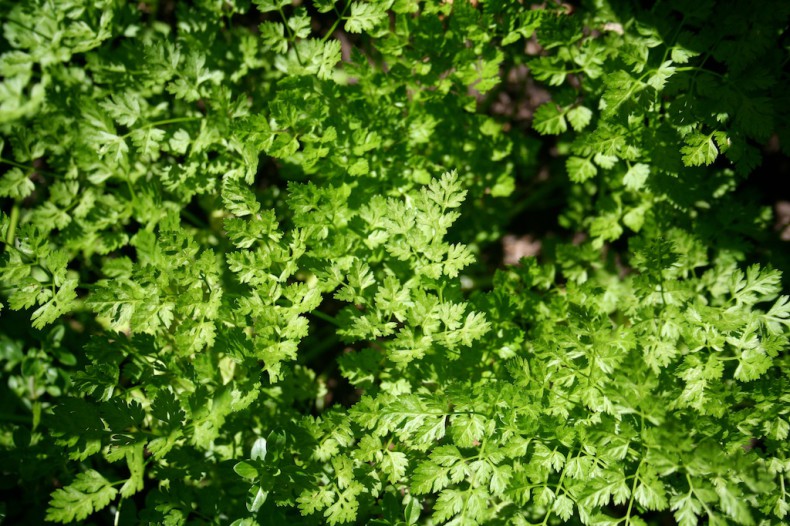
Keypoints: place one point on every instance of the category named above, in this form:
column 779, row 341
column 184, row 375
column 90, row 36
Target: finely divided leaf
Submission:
column 699, row 150
column 364, row 17
column 89, row 492
column 549, row 120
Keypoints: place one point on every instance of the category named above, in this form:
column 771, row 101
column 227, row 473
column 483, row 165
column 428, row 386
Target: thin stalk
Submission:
column 161, row 123
column 31, row 29
column 633, row 490
column 28, row 168
column 325, row 317
column 557, row 489
column 318, row 349
column 335, row 24
column 195, row 220
column 291, row 35
column 14, row 163
column 12, row 222
column 118, row 512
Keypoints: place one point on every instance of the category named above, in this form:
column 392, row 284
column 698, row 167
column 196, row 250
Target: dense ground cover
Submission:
column 261, row 262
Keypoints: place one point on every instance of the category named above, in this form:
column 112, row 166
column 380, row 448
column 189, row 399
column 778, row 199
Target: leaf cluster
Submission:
column 248, row 268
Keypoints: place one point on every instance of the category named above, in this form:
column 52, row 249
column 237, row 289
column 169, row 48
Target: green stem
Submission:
column 633, row 490
column 32, row 30
column 325, row 317
column 291, row 35
column 318, row 349
column 132, row 195
column 334, row 25
column 205, row 281
column 195, row 220
column 663, row 296
column 28, row 168
column 12, row 222
column 701, row 70
column 673, row 39
column 14, row 163
column 161, row 123
column 559, row 487
column 118, row 512
column 702, row 62
column 693, row 492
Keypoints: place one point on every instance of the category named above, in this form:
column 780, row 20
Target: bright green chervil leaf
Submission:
column 699, row 150
column 580, row 169
column 88, row 493
column 579, row 117
column 364, row 16
column 16, row 184
column 550, row 120
column 636, row 176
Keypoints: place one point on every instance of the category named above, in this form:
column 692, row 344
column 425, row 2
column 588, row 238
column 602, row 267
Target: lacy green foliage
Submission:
column 243, row 265
column 645, row 97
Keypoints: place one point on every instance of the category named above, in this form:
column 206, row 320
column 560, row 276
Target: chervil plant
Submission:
column 250, row 270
